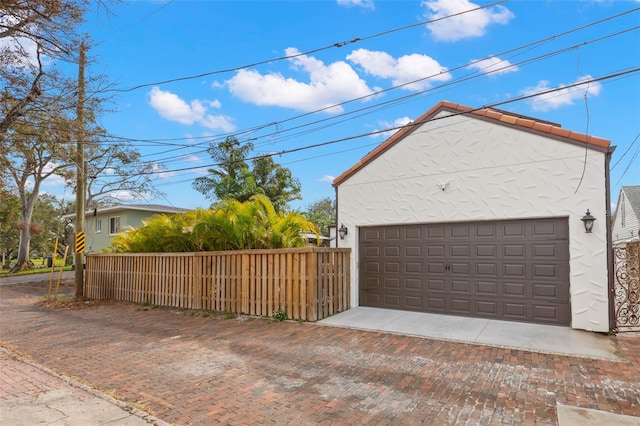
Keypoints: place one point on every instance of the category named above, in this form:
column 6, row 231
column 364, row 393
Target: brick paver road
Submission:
column 195, row 370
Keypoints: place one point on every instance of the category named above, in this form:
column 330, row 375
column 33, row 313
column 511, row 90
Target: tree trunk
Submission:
column 27, row 203
column 23, row 262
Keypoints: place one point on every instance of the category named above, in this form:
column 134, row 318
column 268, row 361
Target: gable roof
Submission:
column 152, row 208
column 632, row 194
column 492, row 114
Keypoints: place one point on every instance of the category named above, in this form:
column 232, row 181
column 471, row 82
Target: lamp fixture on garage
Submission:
column 588, row 222
column 342, row 231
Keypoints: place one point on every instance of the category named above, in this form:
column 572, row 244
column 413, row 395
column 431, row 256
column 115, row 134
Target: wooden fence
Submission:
column 307, row 283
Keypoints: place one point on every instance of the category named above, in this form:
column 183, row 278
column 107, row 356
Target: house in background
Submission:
column 626, row 223
column 102, row 225
column 479, row 212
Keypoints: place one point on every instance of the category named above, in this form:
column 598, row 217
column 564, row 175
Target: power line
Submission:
column 407, row 97
column 209, row 139
column 626, row 152
column 282, row 58
column 378, row 93
column 413, row 124
column 451, row 83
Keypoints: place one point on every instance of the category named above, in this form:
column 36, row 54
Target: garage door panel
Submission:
column 513, row 230
column 514, row 270
column 487, row 288
column 485, row 231
column 510, row 251
column 390, row 267
column 413, row 303
column 436, row 304
column 435, row 286
column 487, row 269
column 413, row 284
column 546, row 271
column 435, row 268
column 549, row 313
column 486, row 251
column 371, row 234
column 460, row 269
column 435, row 251
column 412, row 233
column 392, row 301
column 435, row 232
column 391, row 251
column 371, row 299
column 461, row 286
column 413, row 268
column 460, row 251
column 413, row 251
column 545, row 251
column 515, row 311
column 372, row 267
column 487, row 308
column 461, row 306
column 391, row 284
column 391, row 234
column 544, row 291
column 515, row 289
column 371, row 251
column 459, row 231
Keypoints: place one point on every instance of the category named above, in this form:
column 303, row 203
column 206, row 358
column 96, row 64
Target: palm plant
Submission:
column 230, row 225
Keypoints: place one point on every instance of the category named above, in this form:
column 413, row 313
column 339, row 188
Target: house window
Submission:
column 622, row 215
column 98, row 226
column 114, row 225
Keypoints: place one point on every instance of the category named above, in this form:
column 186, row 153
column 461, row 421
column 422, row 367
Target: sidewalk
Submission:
column 32, row 394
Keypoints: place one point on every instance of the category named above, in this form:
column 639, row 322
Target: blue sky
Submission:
column 345, row 58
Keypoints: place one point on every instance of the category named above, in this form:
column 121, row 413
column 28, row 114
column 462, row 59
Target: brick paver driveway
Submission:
column 188, row 369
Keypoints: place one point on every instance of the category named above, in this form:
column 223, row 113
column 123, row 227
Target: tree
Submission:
column 31, row 153
column 117, row 169
column 29, row 31
column 9, row 213
column 233, row 178
column 46, row 222
column 276, row 182
column 323, row 214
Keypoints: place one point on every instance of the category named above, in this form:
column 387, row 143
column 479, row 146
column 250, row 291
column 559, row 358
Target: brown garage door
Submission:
column 514, row 270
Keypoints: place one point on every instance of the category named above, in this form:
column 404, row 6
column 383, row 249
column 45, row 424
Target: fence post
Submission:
column 312, row 284
column 245, row 284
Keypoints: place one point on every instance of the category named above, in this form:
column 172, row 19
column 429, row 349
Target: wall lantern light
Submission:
column 342, row 231
column 588, row 222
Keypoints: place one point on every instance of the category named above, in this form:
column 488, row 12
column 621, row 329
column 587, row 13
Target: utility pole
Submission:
column 81, row 177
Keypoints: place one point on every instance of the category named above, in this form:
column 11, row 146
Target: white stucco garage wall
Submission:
column 488, row 171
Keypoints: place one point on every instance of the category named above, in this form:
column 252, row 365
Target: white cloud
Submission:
column 25, row 49
column 403, row 70
column 366, row 4
column 467, row 25
column 54, row 181
column 160, row 171
column 327, row 178
column 493, row 66
column 173, row 108
column 328, row 85
column 192, row 158
column 398, row 122
column 563, row 96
